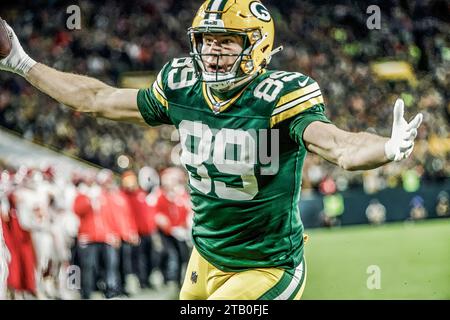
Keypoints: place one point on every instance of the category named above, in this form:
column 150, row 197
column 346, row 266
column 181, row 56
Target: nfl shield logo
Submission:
column 194, row 277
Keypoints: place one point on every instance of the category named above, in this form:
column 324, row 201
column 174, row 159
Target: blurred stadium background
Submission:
column 395, row 217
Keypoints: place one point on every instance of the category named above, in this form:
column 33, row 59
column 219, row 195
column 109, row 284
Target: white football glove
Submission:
column 401, row 144
column 17, row 61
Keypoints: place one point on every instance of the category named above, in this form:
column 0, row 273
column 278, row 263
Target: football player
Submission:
column 231, row 112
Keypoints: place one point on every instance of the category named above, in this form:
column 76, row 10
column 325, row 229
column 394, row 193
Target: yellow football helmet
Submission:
column 246, row 18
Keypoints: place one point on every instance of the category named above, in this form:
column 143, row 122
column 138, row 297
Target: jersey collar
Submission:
column 217, row 104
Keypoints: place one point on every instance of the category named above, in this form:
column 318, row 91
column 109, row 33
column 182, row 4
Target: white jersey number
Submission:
column 197, row 147
column 269, row 88
column 182, row 75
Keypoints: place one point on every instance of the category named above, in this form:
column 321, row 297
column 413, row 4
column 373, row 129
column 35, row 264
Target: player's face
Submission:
column 216, row 46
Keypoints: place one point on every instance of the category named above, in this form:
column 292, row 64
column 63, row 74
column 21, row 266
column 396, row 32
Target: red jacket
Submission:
column 143, row 214
column 123, row 221
column 92, row 225
column 175, row 210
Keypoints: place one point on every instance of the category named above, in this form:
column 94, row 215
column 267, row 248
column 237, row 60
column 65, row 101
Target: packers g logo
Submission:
column 259, row 11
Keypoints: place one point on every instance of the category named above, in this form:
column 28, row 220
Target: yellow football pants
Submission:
column 204, row 281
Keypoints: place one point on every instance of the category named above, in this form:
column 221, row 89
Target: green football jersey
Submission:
column 244, row 154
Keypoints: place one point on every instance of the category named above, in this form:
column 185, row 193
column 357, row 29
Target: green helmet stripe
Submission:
column 221, row 7
column 215, row 5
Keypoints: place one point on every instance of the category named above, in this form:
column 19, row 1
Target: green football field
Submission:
column 412, row 260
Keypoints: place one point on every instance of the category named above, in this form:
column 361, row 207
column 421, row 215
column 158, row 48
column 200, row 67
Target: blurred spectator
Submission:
column 418, row 210
column 443, row 204
column 22, row 267
column 148, row 178
column 5, row 258
column 125, row 226
column 95, row 240
column 376, row 212
column 172, row 216
column 145, row 254
column 110, row 260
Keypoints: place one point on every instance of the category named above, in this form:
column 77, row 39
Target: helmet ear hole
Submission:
column 264, row 49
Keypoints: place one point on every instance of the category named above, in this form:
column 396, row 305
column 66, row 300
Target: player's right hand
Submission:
column 17, row 61
column 401, row 143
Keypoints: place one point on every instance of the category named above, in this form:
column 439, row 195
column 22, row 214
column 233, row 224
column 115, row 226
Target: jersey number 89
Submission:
column 204, row 145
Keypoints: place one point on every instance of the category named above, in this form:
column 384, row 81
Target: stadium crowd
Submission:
column 329, row 42
column 66, row 239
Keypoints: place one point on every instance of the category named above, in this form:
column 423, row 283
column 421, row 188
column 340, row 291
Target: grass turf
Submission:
column 413, row 257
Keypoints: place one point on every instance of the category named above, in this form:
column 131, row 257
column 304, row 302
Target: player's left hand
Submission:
column 401, row 143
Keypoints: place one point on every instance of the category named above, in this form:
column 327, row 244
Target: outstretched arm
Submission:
column 81, row 93
column 86, row 94
column 362, row 150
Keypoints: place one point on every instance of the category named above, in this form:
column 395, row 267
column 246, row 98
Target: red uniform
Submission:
column 176, row 211
column 143, row 214
column 23, row 259
column 122, row 219
column 92, row 227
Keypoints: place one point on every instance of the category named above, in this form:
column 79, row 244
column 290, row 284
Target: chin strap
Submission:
column 236, row 84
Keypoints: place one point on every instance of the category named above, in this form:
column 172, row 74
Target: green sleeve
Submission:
column 302, row 120
column 300, row 103
column 153, row 112
column 153, row 103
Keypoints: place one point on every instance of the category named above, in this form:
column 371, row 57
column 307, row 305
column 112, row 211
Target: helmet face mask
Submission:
column 244, row 18
column 227, row 64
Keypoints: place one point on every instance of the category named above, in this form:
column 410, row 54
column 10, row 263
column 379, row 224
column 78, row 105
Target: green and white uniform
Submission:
column 246, row 211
